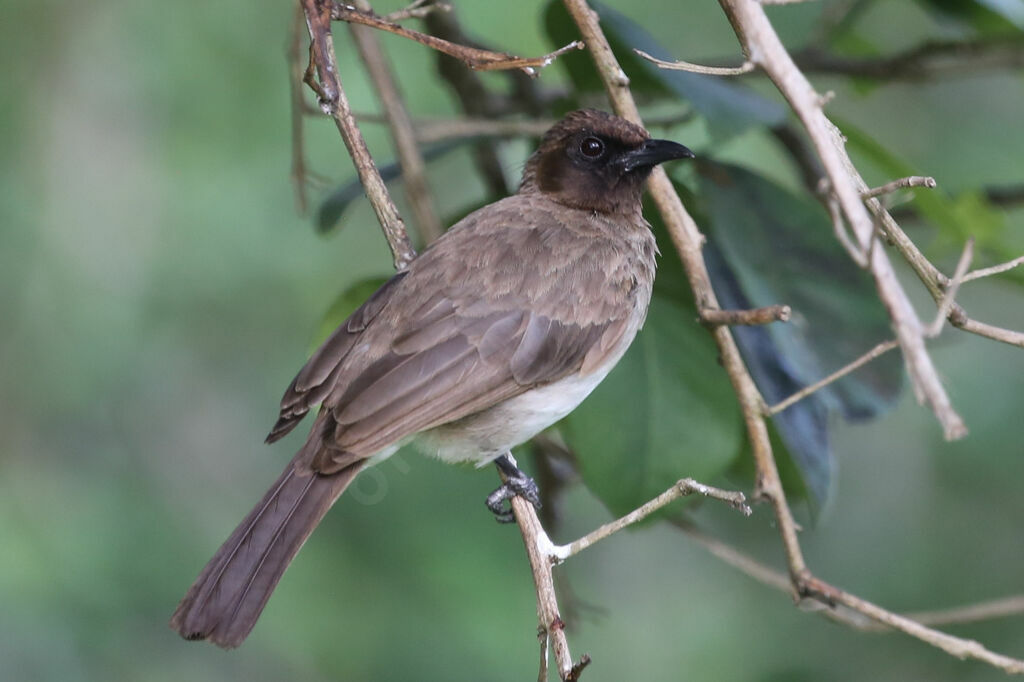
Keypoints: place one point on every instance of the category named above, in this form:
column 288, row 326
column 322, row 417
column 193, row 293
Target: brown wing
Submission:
column 315, row 380
column 484, row 315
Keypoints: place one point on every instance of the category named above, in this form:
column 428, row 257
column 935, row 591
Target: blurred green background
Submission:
column 160, row 290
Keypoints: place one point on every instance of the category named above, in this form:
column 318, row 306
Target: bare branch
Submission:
column 958, row 318
column 933, row 59
column 409, row 157
column 474, row 58
column 756, row 316
column 994, row 270
column 745, row 67
column 1004, row 607
column 901, row 183
column 416, row 10
column 298, row 105
column 762, row 45
column 682, row 488
column 878, row 350
column 973, row 613
column 322, row 76
column 946, row 304
column 852, row 249
column 809, row 586
column 541, row 552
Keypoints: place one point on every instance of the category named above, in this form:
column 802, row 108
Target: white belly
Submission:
column 490, row 434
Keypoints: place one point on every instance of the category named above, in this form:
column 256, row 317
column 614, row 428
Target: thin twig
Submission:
column 417, row 10
column 839, row 229
column 682, row 488
column 973, row 613
column 409, row 157
column 946, row 304
column 880, row 349
column 901, row 183
column 474, row 99
column 298, row 106
column 934, row 280
column 540, row 552
column 994, row 270
column 745, row 67
column 762, row 45
column 474, row 58
column 1005, row 607
column 959, row 319
column 932, row 59
column 755, row 316
column 322, row 76
column 810, row 586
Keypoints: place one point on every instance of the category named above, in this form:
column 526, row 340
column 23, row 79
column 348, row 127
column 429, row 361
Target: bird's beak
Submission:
column 651, row 153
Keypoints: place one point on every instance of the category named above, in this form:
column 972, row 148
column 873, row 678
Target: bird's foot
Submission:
column 516, row 483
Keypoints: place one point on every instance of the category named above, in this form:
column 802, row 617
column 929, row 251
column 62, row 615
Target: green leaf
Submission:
column 666, row 411
column 729, row 108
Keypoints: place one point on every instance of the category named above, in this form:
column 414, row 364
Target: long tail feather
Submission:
column 228, row 596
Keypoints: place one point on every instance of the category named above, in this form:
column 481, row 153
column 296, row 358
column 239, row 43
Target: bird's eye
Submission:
column 591, row 147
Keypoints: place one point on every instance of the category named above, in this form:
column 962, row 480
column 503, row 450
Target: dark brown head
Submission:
column 596, row 161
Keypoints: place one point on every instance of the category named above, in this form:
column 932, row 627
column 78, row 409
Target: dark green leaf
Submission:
column 665, row 412
column 766, row 247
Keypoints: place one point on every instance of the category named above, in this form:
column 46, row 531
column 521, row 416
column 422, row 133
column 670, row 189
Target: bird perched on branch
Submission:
column 498, row 330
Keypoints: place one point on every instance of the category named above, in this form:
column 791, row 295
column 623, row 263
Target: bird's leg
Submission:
column 516, row 483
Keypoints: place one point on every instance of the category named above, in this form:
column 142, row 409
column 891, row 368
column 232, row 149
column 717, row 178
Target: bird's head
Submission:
column 595, row 161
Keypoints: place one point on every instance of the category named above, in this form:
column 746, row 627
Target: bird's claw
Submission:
column 516, row 483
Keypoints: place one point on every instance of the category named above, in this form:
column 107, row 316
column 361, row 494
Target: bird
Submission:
column 496, row 331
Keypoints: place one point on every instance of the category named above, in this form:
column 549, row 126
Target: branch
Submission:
column 1004, row 607
column 474, row 58
column 322, row 76
column 946, row 304
column 541, row 553
column 762, row 45
column 994, row 270
column 682, row 488
column 901, row 183
column 409, row 157
column 298, row 106
column 756, row 316
column 545, row 555
column 936, row 59
column 417, row 10
column 474, row 98
column 809, row 586
column 880, row 349
column 745, row 67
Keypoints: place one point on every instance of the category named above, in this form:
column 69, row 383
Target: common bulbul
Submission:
column 496, row 331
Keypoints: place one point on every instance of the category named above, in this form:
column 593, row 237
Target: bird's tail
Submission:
column 228, row 596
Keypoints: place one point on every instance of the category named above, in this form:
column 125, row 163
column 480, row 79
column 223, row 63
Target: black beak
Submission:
column 651, row 153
